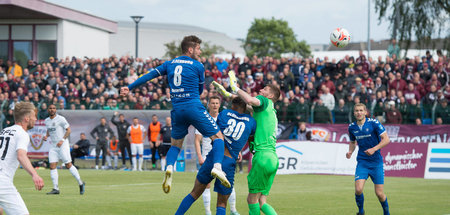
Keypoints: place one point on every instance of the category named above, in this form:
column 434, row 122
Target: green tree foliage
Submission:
column 173, row 49
column 272, row 37
column 418, row 19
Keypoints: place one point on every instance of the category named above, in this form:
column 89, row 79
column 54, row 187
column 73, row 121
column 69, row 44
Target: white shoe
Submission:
column 235, row 213
column 134, row 169
column 96, row 167
column 167, row 183
column 219, row 174
column 140, row 169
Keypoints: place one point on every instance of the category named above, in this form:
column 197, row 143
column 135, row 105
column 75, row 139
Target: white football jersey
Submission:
column 12, row 139
column 206, row 142
column 56, row 128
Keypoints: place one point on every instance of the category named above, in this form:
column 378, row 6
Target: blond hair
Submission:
column 22, row 109
column 360, row 105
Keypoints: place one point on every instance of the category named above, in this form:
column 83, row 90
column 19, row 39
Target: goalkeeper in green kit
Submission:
column 265, row 159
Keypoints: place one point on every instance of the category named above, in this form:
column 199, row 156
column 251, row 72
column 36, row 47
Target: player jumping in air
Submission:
column 371, row 137
column 265, row 159
column 237, row 128
column 186, row 77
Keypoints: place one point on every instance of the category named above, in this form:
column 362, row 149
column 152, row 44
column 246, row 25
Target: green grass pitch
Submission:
column 120, row 192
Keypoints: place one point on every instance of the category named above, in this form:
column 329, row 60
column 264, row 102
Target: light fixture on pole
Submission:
column 136, row 20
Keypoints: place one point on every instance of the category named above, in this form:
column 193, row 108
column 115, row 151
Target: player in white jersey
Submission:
column 206, row 147
column 14, row 142
column 58, row 131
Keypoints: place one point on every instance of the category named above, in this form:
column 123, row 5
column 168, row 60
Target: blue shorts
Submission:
column 196, row 115
column 228, row 166
column 376, row 173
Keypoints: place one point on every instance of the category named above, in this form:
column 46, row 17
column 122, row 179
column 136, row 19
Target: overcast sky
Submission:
column 311, row 20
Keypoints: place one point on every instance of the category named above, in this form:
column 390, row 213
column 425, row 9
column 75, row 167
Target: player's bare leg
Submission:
column 167, row 183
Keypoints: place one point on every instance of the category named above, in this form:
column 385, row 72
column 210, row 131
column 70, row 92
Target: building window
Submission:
column 4, row 50
column 22, row 32
column 4, row 32
column 46, row 32
column 22, row 51
column 45, row 49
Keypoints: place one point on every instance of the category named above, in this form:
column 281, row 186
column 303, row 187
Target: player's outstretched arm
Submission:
column 221, row 90
column 144, row 79
column 253, row 101
column 26, row 164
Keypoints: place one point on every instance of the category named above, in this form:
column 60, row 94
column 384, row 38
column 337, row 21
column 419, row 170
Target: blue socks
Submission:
column 218, row 150
column 385, row 207
column 172, row 155
column 221, row 211
column 360, row 202
column 185, row 204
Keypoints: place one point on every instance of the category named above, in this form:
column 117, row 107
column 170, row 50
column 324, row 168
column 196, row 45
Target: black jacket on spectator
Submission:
column 102, row 132
column 83, row 146
column 321, row 114
column 414, row 112
column 121, row 127
column 341, row 115
column 443, row 113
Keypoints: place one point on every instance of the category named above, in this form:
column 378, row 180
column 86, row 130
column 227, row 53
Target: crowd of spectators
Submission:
column 313, row 90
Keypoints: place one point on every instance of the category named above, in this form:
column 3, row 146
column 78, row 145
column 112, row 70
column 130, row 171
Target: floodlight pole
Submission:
column 368, row 30
column 136, row 20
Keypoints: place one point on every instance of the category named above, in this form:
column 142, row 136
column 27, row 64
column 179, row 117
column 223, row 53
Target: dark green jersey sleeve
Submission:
column 264, row 103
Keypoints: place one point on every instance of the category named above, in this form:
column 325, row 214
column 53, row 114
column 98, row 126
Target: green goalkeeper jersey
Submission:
column 266, row 126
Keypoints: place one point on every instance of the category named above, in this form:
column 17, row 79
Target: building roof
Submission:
column 39, row 9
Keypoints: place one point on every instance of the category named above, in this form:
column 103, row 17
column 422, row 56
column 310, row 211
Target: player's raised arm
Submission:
column 159, row 71
column 253, row 101
column 26, row 164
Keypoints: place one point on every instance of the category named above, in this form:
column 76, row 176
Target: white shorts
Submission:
column 137, row 148
column 57, row 153
column 10, row 199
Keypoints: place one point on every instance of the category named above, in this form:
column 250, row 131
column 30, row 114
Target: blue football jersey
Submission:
column 236, row 128
column 184, row 75
column 367, row 137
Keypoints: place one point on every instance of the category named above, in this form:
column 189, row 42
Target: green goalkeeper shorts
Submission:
column 264, row 169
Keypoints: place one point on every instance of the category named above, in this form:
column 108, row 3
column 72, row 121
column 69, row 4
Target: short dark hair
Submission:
column 189, row 42
column 214, row 97
column 276, row 92
column 237, row 102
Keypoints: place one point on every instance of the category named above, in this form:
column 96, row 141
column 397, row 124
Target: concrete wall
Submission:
column 151, row 41
column 79, row 40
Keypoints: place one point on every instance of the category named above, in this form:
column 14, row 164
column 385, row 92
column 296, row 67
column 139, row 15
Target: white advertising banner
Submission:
column 438, row 161
column 315, row 157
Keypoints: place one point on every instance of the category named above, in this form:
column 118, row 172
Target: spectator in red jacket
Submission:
column 398, row 83
column 393, row 116
column 411, row 93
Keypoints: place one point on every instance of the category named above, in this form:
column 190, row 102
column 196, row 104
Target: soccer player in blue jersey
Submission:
column 186, row 77
column 237, row 128
column 371, row 136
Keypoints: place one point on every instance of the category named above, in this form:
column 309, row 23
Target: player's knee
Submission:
column 358, row 190
column 68, row 165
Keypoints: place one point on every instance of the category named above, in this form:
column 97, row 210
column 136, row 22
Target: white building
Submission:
column 35, row 29
column 153, row 36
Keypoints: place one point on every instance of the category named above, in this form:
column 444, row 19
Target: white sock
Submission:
column 218, row 166
column 54, row 176
column 75, row 174
column 116, row 160
column 232, row 201
column 108, row 160
column 207, row 200
column 163, row 163
column 141, row 160
column 134, row 162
